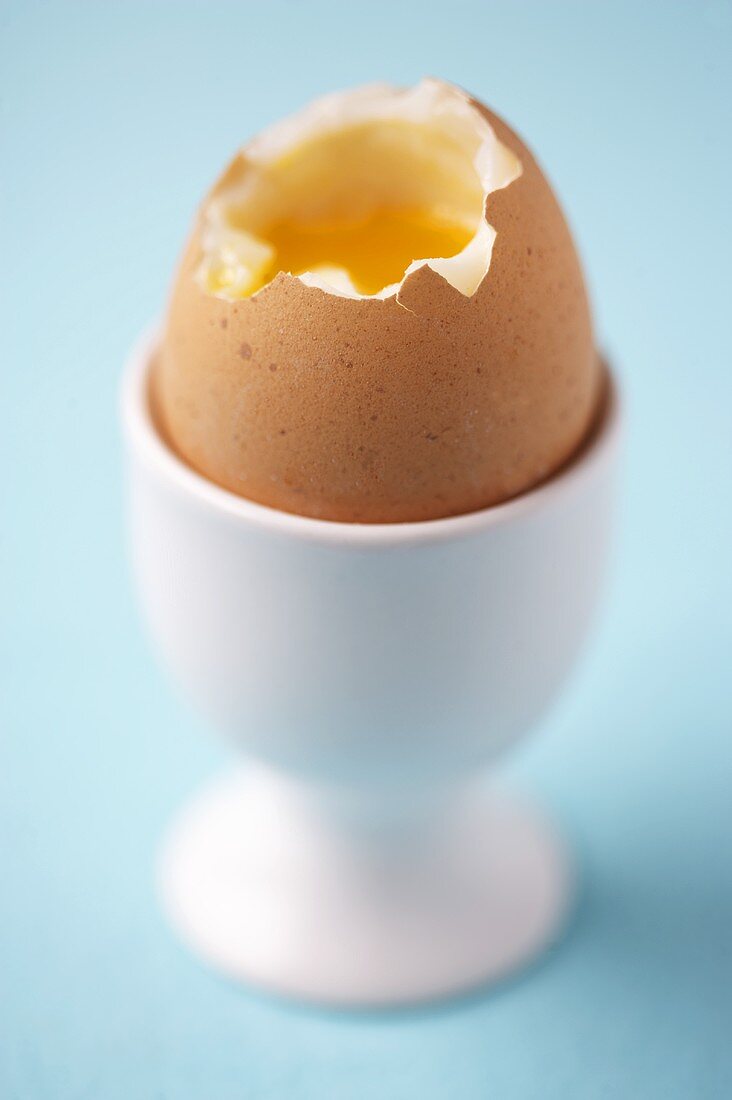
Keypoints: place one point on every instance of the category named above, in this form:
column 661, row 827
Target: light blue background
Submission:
column 115, row 117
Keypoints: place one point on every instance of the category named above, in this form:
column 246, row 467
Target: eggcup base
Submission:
column 270, row 890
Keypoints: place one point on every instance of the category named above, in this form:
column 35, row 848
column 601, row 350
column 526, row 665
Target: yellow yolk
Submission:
column 371, row 254
column 375, row 253
column 356, row 192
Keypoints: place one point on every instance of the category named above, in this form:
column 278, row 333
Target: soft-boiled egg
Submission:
column 380, row 315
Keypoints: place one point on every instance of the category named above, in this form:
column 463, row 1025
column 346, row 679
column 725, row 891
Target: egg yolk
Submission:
column 350, row 208
column 373, row 253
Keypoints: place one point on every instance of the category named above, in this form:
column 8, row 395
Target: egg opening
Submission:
column 355, row 193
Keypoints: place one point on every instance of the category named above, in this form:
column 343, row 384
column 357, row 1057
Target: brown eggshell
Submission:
column 409, row 408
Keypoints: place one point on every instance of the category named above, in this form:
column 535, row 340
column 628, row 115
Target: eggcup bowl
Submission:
column 369, row 675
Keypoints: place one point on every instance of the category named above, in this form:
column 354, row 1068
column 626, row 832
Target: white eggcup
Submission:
column 369, row 676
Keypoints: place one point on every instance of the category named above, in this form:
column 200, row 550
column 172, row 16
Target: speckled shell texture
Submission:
column 374, row 411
